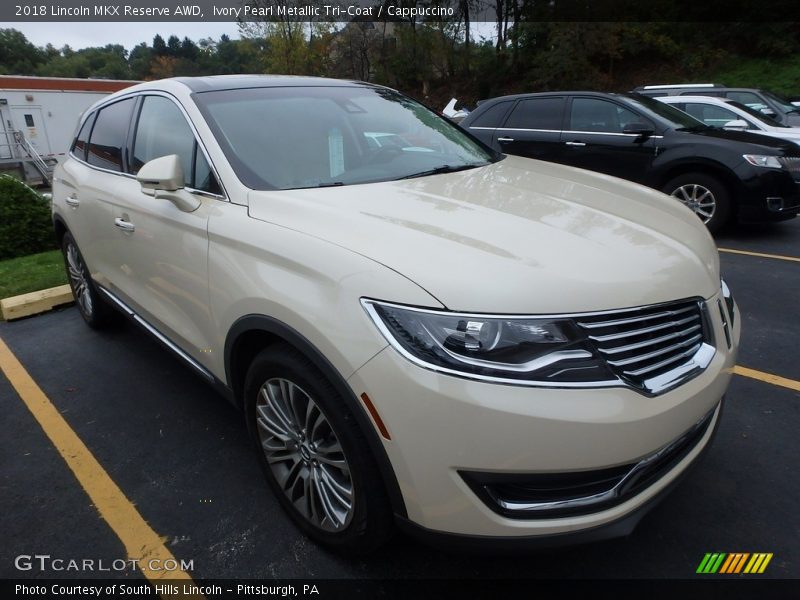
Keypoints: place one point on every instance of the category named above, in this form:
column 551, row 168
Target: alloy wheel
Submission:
column 698, row 198
column 304, row 454
column 78, row 279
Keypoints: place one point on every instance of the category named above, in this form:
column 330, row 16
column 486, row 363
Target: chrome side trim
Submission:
column 157, row 334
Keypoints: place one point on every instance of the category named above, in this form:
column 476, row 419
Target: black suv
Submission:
column 765, row 101
column 718, row 174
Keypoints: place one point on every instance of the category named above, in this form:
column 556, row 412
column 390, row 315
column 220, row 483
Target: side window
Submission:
column 747, row 98
column 715, row 116
column 80, row 144
column 108, row 135
column 492, row 116
column 537, row 113
column 592, row 114
column 203, row 176
column 162, row 130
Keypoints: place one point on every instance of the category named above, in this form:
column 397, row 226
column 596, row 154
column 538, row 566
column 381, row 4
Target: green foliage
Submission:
column 31, row 273
column 25, row 222
column 781, row 76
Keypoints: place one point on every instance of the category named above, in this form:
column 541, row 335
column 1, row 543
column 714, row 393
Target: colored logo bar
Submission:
column 734, row 563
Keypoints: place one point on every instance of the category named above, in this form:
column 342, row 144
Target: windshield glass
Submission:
column 757, row 114
column 784, row 105
column 283, row 138
column 676, row 118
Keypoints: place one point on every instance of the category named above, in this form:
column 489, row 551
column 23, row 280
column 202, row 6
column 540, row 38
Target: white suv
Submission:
column 425, row 332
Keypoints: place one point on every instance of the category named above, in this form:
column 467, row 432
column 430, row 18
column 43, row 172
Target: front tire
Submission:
column 93, row 309
column 313, row 454
column 705, row 195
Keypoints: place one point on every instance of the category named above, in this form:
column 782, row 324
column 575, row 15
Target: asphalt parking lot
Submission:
column 180, row 454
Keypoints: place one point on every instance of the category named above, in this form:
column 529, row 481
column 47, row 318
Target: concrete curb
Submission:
column 34, row 303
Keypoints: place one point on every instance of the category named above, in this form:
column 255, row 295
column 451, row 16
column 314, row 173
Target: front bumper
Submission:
column 768, row 195
column 442, row 426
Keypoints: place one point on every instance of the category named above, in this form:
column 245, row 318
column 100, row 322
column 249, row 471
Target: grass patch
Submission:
column 31, row 273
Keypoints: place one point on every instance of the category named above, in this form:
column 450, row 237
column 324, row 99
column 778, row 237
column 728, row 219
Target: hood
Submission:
column 759, row 142
column 518, row 236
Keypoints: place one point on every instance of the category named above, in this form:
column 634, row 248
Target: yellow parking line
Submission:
column 768, row 378
column 760, row 254
column 140, row 541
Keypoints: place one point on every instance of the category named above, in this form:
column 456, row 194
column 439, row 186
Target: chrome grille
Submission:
column 646, row 343
column 791, row 164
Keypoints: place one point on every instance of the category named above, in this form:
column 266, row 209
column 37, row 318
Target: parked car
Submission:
column 718, row 174
column 475, row 347
column 455, row 115
column 731, row 115
column 765, row 101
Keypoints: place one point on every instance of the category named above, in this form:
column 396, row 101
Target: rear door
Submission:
column 533, row 128
column 593, row 139
column 29, row 120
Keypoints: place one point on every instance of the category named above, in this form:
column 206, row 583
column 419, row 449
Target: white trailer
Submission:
column 38, row 117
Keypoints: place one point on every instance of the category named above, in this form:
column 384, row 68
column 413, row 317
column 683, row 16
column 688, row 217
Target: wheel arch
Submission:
column 712, row 169
column 59, row 228
column 252, row 333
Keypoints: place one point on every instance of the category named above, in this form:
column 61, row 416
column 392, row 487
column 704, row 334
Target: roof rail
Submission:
column 681, row 85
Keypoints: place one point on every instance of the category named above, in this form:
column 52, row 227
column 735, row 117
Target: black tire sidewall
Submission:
column 722, row 212
column 368, row 526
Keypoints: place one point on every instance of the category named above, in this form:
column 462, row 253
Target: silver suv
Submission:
column 423, row 332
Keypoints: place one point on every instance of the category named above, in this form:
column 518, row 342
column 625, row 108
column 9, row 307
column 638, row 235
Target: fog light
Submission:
column 775, row 204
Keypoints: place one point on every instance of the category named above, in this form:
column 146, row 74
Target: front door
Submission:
column 159, row 252
column 593, row 139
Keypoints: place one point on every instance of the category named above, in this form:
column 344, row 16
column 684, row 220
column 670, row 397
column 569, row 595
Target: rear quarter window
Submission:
column 80, row 144
column 493, row 116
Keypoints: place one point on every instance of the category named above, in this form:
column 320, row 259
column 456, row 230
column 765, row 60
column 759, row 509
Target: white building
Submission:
column 38, row 116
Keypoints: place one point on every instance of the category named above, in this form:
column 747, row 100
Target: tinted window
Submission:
column 80, row 144
column 716, row 116
column 591, row 114
column 108, row 135
column 162, row 130
column 748, row 98
column 492, row 116
column 536, row 113
column 29, row 121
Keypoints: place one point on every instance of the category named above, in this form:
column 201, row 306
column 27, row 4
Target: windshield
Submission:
column 757, row 114
column 677, row 118
column 284, row 138
column 784, row 105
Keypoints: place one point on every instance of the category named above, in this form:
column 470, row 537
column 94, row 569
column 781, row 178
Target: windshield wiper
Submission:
column 442, row 169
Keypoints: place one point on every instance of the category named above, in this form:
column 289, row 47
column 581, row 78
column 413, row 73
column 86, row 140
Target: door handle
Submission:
column 503, row 140
column 575, row 143
column 124, row 225
column 72, row 200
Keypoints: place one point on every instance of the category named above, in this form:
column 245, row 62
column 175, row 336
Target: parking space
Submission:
column 180, row 455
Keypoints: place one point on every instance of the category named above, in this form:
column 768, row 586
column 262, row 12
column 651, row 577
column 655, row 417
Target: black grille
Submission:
column 791, row 164
column 643, row 343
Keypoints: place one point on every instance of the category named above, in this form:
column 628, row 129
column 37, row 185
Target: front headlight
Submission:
column 760, row 160
column 501, row 348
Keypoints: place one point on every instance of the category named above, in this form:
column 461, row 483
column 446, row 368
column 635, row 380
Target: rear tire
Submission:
column 94, row 310
column 703, row 194
column 313, row 454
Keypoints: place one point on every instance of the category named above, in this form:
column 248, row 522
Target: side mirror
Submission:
column 163, row 178
column 769, row 112
column 642, row 130
column 737, row 125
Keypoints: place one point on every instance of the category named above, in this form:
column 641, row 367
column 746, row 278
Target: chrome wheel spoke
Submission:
column 304, row 454
column 698, row 198
column 76, row 271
